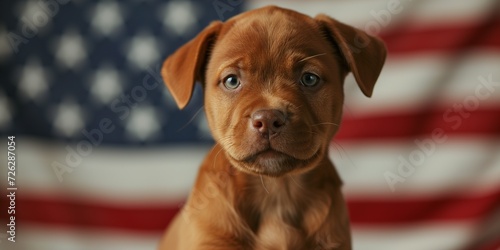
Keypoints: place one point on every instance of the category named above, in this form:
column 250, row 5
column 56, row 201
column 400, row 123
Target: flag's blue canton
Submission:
column 76, row 69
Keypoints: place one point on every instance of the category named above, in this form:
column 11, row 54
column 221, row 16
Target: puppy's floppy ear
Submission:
column 182, row 69
column 364, row 54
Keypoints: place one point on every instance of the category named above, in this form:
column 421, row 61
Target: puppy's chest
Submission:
column 279, row 231
column 274, row 234
column 283, row 228
column 287, row 220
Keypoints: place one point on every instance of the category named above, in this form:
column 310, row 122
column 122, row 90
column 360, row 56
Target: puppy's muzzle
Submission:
column 268, row 123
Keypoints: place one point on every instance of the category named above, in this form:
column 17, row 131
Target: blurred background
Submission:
column 105, row 159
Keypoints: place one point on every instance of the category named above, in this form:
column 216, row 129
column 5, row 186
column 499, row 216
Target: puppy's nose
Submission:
column 268, row 122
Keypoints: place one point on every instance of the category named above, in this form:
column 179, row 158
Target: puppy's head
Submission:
column 273, row 84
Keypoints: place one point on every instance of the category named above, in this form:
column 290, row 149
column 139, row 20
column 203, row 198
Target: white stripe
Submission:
column 51, row 238
column 133, row 174
column 361, row 13
column 415, row 237
column 466, row 165
column 409, row 83
column 167, row 174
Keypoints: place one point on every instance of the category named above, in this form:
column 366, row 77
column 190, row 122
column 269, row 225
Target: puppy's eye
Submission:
column 231, row 82
column 309, row 79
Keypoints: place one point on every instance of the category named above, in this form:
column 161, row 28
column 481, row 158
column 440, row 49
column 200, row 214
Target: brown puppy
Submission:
column 273, row 86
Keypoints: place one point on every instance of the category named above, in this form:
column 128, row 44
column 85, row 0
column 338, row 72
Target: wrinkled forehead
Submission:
column 273, row 38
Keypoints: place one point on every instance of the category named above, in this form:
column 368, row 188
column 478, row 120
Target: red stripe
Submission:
column 70, row 212
column 485, row 121
column 444, row 208
column 443, row 37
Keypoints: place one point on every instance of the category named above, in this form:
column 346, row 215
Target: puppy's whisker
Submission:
column 215, row 158
column 313, row 56
column 293, row 179
column 326, row 123
column 227, row 141
column 192, row 119
column 264, row 185
column 348, row 110
column 312, row 132
column 343, row 151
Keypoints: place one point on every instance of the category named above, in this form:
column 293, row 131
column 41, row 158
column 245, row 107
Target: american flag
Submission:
column 105, row 159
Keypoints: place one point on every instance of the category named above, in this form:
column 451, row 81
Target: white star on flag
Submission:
column 35, row 14
column 143, row 123
column 70, row 51
column 106, row 84
column 33, row 82
column 107, row 18
column 180, row 17
column 68, row 119
column 142, row 51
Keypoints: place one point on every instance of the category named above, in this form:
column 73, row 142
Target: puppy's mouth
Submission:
column 272, row 162
column 266, row 154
